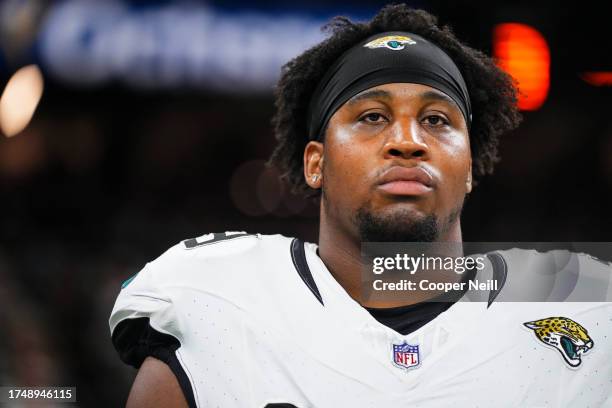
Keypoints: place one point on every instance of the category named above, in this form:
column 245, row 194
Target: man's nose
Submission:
column 405, row 141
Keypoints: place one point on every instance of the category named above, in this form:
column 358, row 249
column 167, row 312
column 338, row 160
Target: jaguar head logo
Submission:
column 568, row 337
column 392, row 42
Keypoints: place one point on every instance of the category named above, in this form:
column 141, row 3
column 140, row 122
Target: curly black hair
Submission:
column 492, row 92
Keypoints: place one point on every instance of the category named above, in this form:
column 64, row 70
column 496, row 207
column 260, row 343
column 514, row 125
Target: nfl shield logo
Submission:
column 406, row 355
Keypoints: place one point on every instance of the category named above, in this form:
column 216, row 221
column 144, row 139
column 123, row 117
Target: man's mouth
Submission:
column 406, row 181
column 405, row 188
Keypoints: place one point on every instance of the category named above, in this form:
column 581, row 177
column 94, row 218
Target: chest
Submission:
column 486, row 361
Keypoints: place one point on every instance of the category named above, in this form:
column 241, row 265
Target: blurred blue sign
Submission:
column 170, row 45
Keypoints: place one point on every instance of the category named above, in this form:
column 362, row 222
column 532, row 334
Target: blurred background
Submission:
column 128, row 126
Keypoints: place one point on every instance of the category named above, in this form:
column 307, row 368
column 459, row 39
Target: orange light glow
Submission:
column 598, row 78
column 523, row 53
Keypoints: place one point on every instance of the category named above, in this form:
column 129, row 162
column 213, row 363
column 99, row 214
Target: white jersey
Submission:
column 259, row 321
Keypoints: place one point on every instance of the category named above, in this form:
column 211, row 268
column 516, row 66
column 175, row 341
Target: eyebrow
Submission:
column 382, row 94
column 371, row 94
column 437, row 96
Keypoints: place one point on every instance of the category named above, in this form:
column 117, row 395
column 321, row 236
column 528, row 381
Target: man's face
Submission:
column 396, row 163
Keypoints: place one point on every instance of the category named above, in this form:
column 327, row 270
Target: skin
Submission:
column 156, row 386
column 397, row 124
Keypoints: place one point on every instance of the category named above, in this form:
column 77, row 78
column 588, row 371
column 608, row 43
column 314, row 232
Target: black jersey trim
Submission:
column 298, row 256
column 281, row 405
column 135, row 339
column 500, row 273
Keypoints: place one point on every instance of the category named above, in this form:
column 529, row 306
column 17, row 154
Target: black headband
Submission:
column 382, row 59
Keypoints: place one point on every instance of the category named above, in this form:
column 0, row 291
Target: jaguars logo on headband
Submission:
column 392, row 42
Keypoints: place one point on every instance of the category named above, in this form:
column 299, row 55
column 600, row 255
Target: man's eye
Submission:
column 435, row 120
column 372, row 118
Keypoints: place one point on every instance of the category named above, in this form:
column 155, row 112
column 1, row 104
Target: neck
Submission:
column 340, row 251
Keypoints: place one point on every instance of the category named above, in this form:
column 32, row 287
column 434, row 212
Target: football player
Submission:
column 390, row 122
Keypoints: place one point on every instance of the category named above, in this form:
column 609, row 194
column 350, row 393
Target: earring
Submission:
column 315, row 177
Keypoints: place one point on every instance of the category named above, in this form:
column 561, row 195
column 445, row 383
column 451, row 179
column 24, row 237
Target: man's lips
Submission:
column 406, row 181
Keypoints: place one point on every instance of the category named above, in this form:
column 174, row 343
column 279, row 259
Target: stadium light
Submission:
column 20, row 99
column 522, row 51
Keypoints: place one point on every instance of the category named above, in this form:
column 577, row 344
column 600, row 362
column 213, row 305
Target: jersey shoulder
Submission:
column 556, row 259
column 219, row 256
column 554, row 276
column 228, row 265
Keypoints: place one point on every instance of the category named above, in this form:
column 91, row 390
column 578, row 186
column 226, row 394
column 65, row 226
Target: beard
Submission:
column 401, row 226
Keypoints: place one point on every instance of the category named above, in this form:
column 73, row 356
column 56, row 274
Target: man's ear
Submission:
column 468, row 180
column 313, row 164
